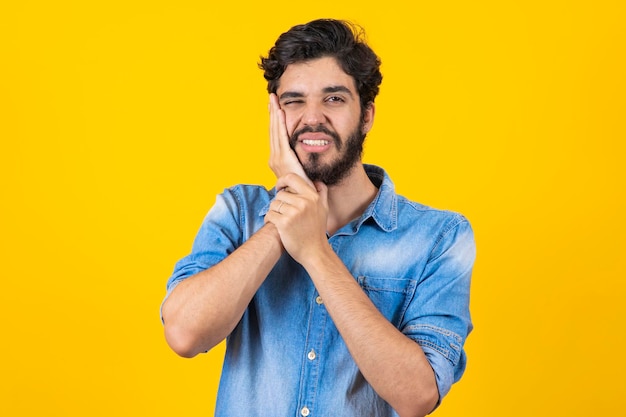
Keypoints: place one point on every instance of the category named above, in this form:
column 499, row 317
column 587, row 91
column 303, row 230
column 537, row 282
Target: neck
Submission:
column 349, row 199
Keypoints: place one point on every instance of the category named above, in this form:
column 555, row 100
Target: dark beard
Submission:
column 334, row 172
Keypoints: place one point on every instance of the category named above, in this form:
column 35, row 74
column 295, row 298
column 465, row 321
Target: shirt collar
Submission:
column 383, row 209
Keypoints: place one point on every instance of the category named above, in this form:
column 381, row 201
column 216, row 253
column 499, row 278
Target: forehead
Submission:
column 316, row 75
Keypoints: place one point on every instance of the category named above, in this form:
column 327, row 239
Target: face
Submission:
column 324, row 119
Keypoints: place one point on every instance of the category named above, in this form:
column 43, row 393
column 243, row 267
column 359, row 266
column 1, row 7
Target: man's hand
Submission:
column 283, row 159
column 300, row 212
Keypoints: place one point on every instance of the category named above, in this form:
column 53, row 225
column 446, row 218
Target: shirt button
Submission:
column 311, row 355
column 318, row 300
column 305, row 411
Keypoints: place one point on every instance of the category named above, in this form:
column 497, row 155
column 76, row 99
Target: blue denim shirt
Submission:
column 286, row 357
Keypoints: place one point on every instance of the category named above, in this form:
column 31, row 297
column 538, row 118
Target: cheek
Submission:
column 291, row 121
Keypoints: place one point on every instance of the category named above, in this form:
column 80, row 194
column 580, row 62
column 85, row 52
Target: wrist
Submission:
column 324, row 257
column 270, row 231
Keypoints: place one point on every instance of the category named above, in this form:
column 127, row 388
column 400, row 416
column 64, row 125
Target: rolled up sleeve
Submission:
column 219, row 235
column 438, row 316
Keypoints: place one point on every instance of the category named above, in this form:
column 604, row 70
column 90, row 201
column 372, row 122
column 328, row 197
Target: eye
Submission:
column 335, row 99
column 291, row 103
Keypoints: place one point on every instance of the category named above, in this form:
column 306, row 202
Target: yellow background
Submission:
column 120, row 121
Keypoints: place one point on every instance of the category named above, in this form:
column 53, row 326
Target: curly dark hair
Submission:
column 339, row 39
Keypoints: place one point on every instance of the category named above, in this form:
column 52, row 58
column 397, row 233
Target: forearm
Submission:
column 393, row 364
column 203, row 309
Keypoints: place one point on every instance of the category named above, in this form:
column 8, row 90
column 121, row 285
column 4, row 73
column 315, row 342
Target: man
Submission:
column 336, row 296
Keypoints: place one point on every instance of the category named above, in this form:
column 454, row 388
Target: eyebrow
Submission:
column 325, row 90
column 290, row 94
column 338, row 89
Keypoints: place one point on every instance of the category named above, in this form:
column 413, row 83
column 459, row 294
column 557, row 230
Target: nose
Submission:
column 313, row 114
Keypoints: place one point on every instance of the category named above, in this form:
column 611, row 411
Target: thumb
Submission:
column 322, row 190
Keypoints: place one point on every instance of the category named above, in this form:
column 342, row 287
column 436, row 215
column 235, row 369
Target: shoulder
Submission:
column 443, row 227
column 248, row 195
column 239, row 204
column 413, row 210
column 392, row 208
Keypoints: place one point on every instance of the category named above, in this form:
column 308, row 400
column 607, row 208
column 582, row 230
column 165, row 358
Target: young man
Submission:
column 336, row 296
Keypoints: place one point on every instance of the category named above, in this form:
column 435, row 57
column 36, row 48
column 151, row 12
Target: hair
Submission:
column 339, row 39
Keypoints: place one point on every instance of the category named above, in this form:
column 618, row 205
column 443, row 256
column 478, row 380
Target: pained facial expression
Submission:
column 323, row 116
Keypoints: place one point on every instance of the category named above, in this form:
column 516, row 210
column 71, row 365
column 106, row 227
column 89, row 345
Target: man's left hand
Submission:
column 300, row 212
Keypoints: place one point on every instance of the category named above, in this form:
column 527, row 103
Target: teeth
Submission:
column 319, row 142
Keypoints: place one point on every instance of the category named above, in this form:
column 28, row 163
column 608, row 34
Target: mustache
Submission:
column 318, row 129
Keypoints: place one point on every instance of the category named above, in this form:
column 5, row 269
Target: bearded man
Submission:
column 336, row 296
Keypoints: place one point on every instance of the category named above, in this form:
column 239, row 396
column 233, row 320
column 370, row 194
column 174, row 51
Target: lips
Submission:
column 315, row 140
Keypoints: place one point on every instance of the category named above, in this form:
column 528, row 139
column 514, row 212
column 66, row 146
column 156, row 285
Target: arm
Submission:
column 393, row 364
column 203, row 309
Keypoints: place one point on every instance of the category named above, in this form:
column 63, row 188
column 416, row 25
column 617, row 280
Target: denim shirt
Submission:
column 286, row 357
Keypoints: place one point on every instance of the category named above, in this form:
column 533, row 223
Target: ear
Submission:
column 368, row 117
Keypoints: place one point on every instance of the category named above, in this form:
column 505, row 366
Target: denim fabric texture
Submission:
column 286, row 357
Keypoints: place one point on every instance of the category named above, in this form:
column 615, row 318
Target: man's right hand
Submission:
column 283, row 159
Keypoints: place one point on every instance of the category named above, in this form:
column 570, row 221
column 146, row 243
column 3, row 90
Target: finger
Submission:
column 288, row 196
column 276, row 218
column 280, row 125
column 294, row 184
column 274, row 143
column 322, row 191
column 272, row 217
column 278, row 205
column 321, row 188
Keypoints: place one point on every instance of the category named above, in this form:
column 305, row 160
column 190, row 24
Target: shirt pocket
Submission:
column 391, row 296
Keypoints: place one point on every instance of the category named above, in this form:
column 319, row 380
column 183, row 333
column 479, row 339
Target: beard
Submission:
column 334, row 172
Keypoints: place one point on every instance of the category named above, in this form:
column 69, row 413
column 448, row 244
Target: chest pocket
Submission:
column 390, row 295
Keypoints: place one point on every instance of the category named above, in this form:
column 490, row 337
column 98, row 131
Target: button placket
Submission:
column 309, row 381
